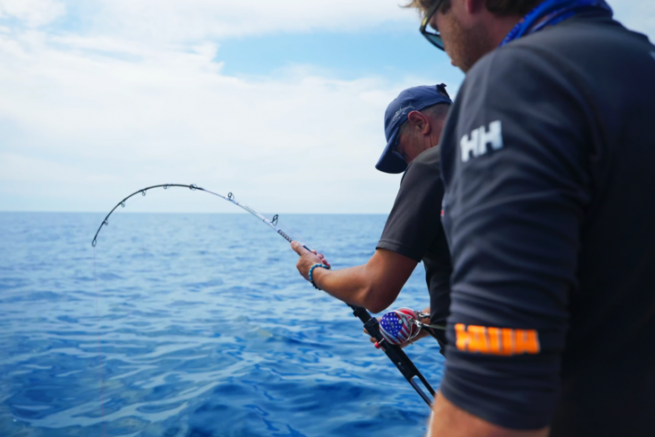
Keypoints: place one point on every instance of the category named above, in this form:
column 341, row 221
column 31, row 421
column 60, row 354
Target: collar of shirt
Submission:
column 550, row 13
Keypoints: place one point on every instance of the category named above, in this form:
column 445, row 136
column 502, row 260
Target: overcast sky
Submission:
column 280, row 102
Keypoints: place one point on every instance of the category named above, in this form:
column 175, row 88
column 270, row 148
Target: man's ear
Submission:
column 419, row 123
column 473, row 6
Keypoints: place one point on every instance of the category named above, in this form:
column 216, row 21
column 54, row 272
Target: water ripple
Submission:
column 194, row 332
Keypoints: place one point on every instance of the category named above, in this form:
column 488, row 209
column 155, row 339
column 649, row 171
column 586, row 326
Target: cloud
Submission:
column 138, row 95
column 32, row 13
column 103, row 116
column 115, row 94
column 197, row 19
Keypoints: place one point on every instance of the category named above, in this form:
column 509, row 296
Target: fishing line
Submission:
column 394, row 352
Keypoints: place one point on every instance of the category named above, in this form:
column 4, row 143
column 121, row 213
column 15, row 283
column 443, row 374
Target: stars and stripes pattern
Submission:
column 398, row 327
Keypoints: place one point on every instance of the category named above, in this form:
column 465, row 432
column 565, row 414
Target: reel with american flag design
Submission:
column 399, row 326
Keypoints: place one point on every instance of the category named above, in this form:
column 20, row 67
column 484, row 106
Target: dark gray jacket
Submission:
column 548, row 160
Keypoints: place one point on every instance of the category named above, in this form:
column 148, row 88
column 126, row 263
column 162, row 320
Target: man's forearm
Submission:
column 351, row 285
column 448, row 420
column 374, row 285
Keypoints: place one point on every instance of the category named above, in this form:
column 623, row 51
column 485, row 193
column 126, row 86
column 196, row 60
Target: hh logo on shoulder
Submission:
column 475, row 144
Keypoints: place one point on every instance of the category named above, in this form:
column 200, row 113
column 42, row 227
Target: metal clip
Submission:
column 274, row 221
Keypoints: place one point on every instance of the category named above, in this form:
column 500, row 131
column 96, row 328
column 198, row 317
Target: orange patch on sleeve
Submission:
column 496, row 341
column 527, row 341
column 479, row 341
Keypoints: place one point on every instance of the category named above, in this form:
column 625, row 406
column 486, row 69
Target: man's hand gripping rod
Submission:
column 397, row 356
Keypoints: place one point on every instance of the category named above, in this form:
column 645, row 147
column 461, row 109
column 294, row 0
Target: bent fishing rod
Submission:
column 394, row 352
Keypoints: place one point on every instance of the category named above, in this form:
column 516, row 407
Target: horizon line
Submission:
column 186, row 212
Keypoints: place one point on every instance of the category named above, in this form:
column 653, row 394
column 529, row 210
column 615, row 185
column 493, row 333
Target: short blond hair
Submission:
column 500, row 7
column 422, row 5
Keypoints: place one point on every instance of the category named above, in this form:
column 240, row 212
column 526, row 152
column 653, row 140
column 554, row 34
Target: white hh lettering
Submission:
column 469, row 146
column 476, row 143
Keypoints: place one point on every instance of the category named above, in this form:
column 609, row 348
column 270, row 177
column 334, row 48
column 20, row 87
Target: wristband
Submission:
column 311, row 273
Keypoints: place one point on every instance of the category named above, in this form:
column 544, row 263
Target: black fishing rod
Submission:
column 394, row 352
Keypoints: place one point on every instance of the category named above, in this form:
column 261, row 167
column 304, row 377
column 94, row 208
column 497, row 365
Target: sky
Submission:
column 279, row 102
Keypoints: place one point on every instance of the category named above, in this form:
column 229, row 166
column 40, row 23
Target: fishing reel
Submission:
column 400, row 326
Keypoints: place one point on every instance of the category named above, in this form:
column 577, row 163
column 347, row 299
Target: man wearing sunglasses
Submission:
column 548, row 161
column 413, row 232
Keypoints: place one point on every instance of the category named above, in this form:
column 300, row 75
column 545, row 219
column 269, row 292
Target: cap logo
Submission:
column 399, row 113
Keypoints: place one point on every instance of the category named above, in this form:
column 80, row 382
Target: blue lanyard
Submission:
column 549, row 13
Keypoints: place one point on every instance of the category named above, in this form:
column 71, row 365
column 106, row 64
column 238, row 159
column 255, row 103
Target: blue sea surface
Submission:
column 197, row 325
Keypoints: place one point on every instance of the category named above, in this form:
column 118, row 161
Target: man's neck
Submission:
column 499, row 27
column 490, row 32
column 432, row 142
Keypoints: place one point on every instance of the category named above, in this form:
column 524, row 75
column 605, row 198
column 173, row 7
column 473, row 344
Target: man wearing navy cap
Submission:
column 413, row 232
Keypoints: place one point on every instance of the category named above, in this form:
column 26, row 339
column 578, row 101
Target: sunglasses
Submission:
column 395, row 150
column 434, row 37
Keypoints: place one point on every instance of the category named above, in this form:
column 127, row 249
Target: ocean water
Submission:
column 197, row 325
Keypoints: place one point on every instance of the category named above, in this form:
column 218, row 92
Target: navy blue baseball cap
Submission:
column 412, row 99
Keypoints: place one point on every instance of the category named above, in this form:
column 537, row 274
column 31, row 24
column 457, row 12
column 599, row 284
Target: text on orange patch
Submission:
column 497, row 341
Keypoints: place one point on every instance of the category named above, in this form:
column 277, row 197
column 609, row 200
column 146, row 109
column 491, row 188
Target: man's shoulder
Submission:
column 430, row 157
column 553, row 60
column 428, row 161
column 581, row 32
column 586, row 39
